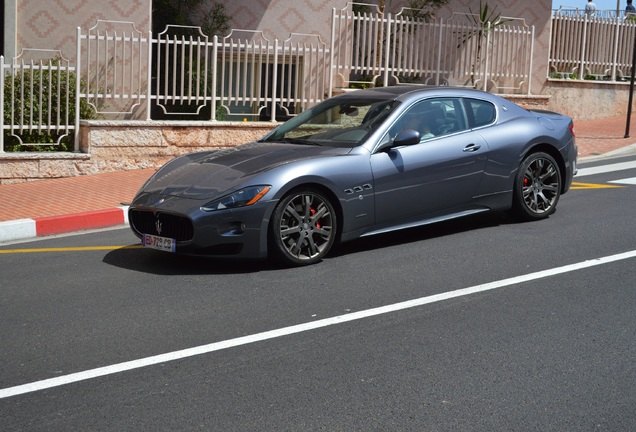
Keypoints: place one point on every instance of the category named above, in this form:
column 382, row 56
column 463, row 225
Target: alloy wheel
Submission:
column 541, row 185
column 305, row 227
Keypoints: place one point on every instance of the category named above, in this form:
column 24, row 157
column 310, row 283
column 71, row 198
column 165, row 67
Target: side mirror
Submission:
column 407, row 137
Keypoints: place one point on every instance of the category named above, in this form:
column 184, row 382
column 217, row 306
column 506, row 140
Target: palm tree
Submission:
column 484, row 22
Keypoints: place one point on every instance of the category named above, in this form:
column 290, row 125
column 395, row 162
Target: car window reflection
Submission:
column 432, row 118
column 344, row 124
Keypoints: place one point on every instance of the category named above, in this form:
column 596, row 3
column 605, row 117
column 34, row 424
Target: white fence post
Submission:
column 78, row 80
column 438, row 66
column 530, row 67
column 274, row 81
column 583, row 47
column 487, row 55
column 387, row 60
column 148, row 86
column 617, row 27
column 331, row 69
column 214, row 60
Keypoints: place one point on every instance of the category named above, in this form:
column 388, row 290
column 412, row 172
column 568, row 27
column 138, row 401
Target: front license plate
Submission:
column 160, row 243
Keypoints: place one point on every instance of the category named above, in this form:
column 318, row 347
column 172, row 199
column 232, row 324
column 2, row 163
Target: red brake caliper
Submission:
column 313, row 212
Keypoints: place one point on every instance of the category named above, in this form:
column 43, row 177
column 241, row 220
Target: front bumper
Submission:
column 239, row 233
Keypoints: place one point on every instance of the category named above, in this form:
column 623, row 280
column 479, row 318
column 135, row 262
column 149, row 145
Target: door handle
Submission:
column 471, row 148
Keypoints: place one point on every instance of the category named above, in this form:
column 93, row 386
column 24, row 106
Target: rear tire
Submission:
column 537, row 187
column 303, row 228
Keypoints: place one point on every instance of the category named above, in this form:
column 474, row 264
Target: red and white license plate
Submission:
column 159, row 243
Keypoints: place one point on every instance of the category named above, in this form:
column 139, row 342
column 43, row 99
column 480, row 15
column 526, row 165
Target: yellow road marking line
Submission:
column 580, row 186
column 68, row 249
column 575, row 186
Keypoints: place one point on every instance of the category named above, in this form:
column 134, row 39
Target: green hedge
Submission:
column 56, row 88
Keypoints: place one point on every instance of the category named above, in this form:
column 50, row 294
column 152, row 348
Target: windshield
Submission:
column 337, row 122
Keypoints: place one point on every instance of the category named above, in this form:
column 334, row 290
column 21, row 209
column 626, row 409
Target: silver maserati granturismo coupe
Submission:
column 358, row 164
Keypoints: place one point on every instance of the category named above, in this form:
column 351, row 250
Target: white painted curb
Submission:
column 17, row 230
column 22, row 229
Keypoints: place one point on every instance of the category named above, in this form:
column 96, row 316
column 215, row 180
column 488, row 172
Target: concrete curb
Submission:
column 623, row 151
column 22, row 229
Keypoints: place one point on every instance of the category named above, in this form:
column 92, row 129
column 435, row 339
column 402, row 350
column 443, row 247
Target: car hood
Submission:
column 210, row 174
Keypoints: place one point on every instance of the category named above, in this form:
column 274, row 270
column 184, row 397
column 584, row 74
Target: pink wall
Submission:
column 279, row 18
column 52, row 24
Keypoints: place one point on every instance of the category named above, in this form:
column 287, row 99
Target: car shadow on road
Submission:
column 165, row 263
column 424, row 232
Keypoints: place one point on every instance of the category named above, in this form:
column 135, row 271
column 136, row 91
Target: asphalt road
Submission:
column 483, row 324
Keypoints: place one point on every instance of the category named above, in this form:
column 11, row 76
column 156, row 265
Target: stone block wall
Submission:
column 109, row 146
column 588, row 100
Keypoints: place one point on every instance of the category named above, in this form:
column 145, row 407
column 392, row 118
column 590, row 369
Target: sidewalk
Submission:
column 59, row 206
column 604, row 137
column 64, row 205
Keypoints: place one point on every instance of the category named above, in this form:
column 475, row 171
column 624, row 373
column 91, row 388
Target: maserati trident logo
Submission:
column 158, row 226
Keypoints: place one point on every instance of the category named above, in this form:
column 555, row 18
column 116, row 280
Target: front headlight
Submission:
column 241, row 198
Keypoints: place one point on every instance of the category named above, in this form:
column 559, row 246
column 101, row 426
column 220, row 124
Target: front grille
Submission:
column 162, row 224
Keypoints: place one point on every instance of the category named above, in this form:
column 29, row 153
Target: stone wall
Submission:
column 588, row 100
column 108, row 146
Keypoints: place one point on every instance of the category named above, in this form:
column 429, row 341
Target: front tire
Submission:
column 303, row 228
column 537, row 187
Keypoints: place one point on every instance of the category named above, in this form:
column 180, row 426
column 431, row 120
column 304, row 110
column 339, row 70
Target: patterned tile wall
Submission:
column 279, row 18
column 52, row 24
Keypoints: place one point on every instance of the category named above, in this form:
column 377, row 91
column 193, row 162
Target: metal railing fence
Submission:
column 122, row 73
column 599, row 13
column 181, row 73
column 369, row 47
column 598, row 47
column 36, row 104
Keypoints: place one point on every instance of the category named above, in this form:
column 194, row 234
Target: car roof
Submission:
column 406, row 92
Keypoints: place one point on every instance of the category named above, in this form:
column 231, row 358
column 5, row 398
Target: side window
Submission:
column 433, row 118
column 448, row 116
column 481, row 113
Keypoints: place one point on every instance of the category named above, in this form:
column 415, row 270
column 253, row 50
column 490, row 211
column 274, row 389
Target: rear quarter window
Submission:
column 480, row 112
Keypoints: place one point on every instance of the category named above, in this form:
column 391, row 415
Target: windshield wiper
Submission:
column 299, row 141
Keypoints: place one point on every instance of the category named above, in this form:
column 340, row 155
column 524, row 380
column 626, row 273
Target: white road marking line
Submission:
column 606, row 168
column 630, row 181
column 286, row 331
